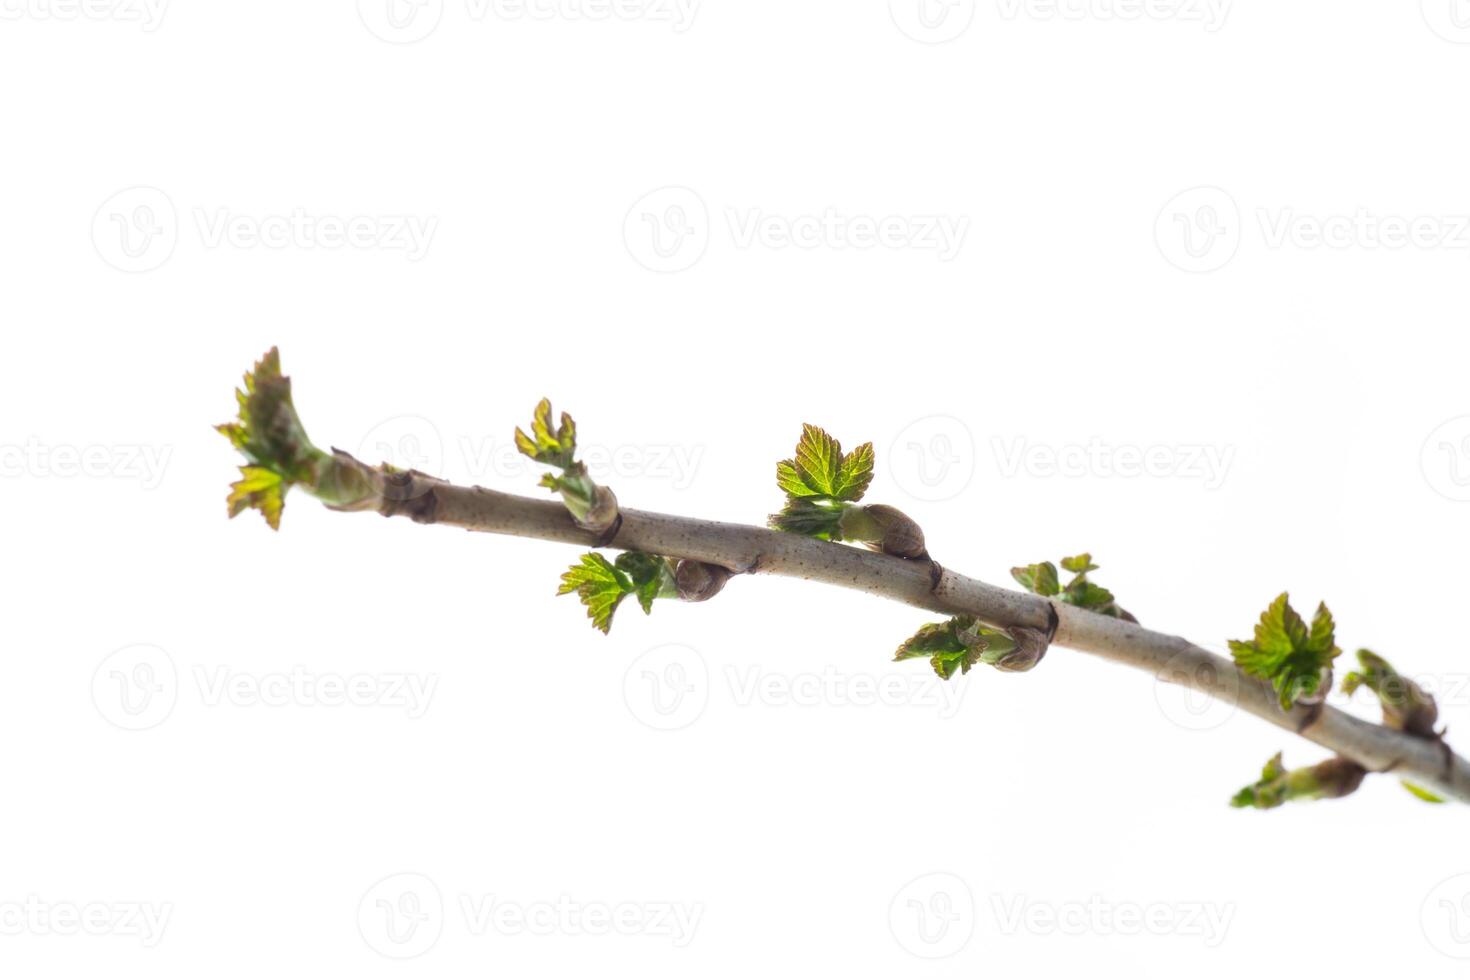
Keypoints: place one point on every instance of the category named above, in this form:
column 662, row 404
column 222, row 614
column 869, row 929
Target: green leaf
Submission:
column 1421, row 792
column 820, row 469
column 650, row 575
column 261, row 489
column 1079, row 564
column 1269, row 792
column 600, row 586
column 815, row 518
column 855, row 474
column 818, row 459
column 1407, row 707
column 1376, row 674
column 1040, row 579
column 955, row 645
column 551, row 447
column 944, row 645
column 269, row 434
column 789, row 479
column 1329, row 779
column 1286, row 653
column 268, row 431
column 1321, row 641
column 558, row 448
column 603, row 584
column 1087, row 595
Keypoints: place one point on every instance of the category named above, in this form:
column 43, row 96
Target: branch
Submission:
column 281, row 456
column 745, row 549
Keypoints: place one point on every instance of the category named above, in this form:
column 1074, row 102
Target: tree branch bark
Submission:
column 748, row 549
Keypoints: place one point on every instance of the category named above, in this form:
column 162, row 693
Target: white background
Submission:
column 1097, row 308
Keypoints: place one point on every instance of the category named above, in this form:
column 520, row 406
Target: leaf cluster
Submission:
column 821, row 482
column 1080, row 591
column 602, row 585
column 555, row 445
column 1296, row 659
column 269, row 434
column 956, row 645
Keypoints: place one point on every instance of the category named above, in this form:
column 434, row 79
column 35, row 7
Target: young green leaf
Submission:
column 855, row 474
column 1267, row 792
column 602, row 585
column 1079, row 565
column 943, row 645
column 820, row 469
column 268, row 432
column 957, row 644
column 1087, row 595
column 1079, row 591
column 552, row 447
column 815, row 518
column 650, row 575
column 590, row 505
column 1407, row 707
column 278, row 453
column 1420, row 792
column 261, row 489
column 599, row 585
column 1329, row 779
column 1040, row 579
column 1294, row 658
